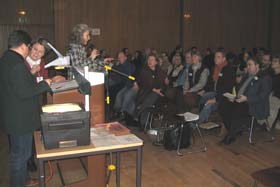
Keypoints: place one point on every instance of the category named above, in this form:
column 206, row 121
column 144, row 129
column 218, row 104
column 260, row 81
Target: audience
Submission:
column 117, row 81
column 221, row 80
column 252, row 100
column 175, row 81
column 274, row 99
column 150, row 83
column 266, row 62
column 197, row 77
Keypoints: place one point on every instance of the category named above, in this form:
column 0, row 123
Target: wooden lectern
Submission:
column 96, row 164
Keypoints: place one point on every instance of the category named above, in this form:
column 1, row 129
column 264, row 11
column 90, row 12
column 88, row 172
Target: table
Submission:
column 96, row 164
column 89, row 150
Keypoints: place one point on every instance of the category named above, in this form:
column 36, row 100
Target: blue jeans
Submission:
column 20, row 152
column 125, row 100
column 206, row 110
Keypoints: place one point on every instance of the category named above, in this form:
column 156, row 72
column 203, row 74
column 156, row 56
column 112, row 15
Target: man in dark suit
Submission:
column 252, row 100
column 19, row 104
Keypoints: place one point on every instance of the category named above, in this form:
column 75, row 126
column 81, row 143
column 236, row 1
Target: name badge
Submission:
column 39, row 79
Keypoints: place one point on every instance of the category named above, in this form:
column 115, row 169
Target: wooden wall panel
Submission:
column 39, row 14
column 232, row 24
column 275, row 27
column 135, row 24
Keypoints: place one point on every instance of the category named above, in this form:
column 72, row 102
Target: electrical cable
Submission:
column 48, row 178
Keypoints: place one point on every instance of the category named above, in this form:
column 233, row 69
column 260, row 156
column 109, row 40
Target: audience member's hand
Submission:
column 210, row 101
column 48, row 81
column 158, row 92
column 35, row 69
column 201, row 93
column 241, row 99
column 135, row 86
column 58, row 78
column 166, row 81
column 94, row 54
column 231, row 100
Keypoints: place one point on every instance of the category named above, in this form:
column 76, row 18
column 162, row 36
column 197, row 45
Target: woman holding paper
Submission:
column 252, row 100
column 35, row 61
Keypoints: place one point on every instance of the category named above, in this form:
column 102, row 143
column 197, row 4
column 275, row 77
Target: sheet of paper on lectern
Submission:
column 57, row 108
column 64, row 86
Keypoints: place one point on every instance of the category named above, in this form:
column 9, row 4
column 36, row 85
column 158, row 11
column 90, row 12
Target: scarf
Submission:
column 217, row 70
column 32, row 62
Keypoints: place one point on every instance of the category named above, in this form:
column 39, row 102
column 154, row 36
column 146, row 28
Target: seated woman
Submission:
column 150, row 83
column 252, row 100
column 197, row 77
column 174, row 81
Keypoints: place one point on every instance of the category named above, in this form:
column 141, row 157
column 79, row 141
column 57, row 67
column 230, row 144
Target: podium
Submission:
column 96, row 165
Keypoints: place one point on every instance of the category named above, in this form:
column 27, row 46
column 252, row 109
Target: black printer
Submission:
column 65, row 129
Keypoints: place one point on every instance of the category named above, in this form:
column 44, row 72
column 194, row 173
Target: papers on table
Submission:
column 56, row 108
column 101, row 137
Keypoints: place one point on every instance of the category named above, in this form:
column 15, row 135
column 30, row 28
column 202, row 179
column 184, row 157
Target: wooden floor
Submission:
column 220, row 166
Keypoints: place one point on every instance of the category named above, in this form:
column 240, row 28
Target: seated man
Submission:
column 274, row 99
column 117, row 81
column 125, row 99
column 252, row 100
column 221, row 80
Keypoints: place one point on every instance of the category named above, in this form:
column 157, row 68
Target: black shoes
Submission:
column 228, row 140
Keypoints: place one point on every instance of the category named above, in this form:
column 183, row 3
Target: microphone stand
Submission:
column 107, row 69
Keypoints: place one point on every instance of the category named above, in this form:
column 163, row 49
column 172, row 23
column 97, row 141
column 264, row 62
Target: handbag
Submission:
column 172, row 136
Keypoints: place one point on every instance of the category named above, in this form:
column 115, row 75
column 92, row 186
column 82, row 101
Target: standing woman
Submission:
column 79, row 38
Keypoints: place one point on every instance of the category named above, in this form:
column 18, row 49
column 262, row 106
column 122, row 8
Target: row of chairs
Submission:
column 266, row 177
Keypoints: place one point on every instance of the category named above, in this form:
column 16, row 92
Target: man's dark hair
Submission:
column 17, row 38
column 221, row 50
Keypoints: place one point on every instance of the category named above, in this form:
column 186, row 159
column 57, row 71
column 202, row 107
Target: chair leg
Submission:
column 180, row 139
column 255, row 183
column 204, row 147
column 251, row 130
column 151, row 120
column 269, row 130
column 161, row 130
column 147, row 121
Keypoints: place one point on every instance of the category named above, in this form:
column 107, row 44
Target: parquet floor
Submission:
column 220, row 166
